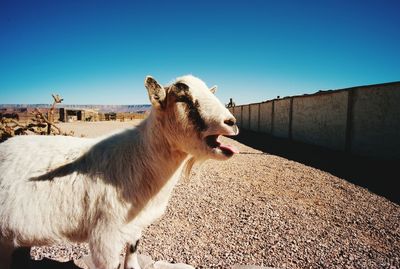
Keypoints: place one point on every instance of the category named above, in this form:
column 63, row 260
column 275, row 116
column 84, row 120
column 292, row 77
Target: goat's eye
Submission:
column 182, row 99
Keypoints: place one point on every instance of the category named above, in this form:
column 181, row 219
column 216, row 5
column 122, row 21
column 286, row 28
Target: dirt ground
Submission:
column 262, row 209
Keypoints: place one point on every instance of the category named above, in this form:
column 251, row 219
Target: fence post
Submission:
column 290, row 117
column 258, row 123
column 249, row 117
column 241, row 116
column 349, row 120
column 272, row 116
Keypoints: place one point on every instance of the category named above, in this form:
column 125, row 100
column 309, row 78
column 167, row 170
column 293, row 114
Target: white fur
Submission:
column 102, row 191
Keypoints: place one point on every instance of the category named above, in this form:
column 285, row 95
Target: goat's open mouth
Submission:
column 227, row 150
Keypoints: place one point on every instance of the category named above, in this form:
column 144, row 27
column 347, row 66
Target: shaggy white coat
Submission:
column 103, row 191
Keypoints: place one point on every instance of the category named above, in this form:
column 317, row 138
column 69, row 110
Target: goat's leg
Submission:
column 5, row 255
column 105, row 251
column 131, row 256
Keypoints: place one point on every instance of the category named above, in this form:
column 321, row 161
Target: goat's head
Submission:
column 193, row 117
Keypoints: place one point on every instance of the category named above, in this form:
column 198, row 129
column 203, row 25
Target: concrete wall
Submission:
column 236, row 112
column 254, row 109
column 266, row 117
column 376, row 121
column 363, row 120
column 321, row 120
column 245, row 117
column 281, row 118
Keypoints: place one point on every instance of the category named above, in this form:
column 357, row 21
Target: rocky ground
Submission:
column 262, row 209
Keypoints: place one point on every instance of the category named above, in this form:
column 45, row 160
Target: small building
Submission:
column 74, row 114
column 110, row 116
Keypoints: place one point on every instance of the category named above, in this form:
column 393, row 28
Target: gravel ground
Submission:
column 266, row 210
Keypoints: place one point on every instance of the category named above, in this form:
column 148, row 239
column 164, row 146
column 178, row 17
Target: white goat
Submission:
column 106, row 191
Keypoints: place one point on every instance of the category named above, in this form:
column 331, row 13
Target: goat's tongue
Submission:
column 228, row 149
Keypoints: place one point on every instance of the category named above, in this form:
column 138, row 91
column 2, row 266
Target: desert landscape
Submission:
column 262, row 209
column 309, row 181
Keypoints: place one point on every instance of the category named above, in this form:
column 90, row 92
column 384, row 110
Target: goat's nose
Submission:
column 230, row 122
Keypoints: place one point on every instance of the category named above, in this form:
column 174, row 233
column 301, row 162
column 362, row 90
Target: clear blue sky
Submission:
column 98, row 52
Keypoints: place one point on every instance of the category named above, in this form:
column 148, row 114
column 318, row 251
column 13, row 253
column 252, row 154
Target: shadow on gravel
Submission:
column 377, row 176
column 21, row 260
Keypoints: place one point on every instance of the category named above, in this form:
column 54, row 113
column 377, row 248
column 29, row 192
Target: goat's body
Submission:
column 28, row 208
column 41, row 208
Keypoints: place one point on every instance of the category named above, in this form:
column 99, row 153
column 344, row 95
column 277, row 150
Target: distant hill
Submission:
column 101, row 108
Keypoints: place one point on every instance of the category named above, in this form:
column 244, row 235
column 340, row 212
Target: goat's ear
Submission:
column 157, row 94
column 214, row 89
